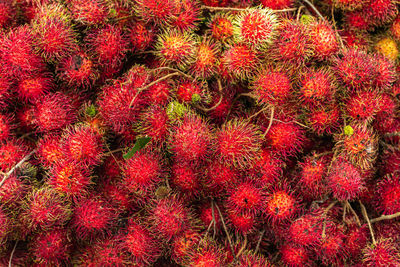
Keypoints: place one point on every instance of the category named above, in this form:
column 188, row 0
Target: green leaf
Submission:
column 141, row 142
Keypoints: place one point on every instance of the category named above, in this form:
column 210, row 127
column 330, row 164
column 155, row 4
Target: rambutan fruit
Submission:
column 277, row 4
column 142, row 172
column 238, row 143
column 384, row 71
column 349, row 5
column 285, row 138
column 306, row 231
column 8, row 13
column 108, row 45
column 175, row 48
column 323, row 40
column 240, row 60
column 186, row 90
column 205, row 59
column 268, row 168
column 49, row 150
column 357, row 21
column 208, row 213
column 390, row 161
column 331, row 246
column 157, row 11
column 186, row 178
column 316, row 86
column 354, row 39
column 52, row 247
column 154, row 123
column 255, row 27
column 324, row 119
column 389, row 194
column 245, row 196
column 362, row 106
column 312, row 176
column 17, row 54
column 70, row 179
column 271, row 87
column 78, row 69
column 159, row 93
column 32, row 88
column 83, row 144
column 92, row 216
column 344, row 180
column 91, row 12
column 55, row 38
column 11, row 152
column 293, row 43
column 5, row 90
column 140, row 244
column 191, row 138
column 383, row 253
column 186, row 15
column 44, row 209
column 219, row 177
column 242, row 222
column 395, row 28
column 356, row 239
column 251, row 259
column 6, row 126
column 6, row 227
column 141, row 35
column 360, row 147
column 294, row 256
column 209, row 256
column 169, row 218
column 13, row 191
column 54, row 111
column 388, row 48
column 221, row 27
column 387, row 230
column 355, row 69
column 380, row 12
column 184, row 246
column 281, row 204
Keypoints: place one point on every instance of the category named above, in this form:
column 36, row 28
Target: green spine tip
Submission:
column 196, row 98
column 307, row 19
column 348, row 130
column 176, row 110
column 91, row 111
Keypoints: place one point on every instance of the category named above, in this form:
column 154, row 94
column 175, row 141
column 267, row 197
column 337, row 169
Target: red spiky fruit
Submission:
column 356, row 240
column 344, row 180
column 17, row 54
column 272, row 87
column 205, row 60
column 384, row 71
column 52, row 247
column 221, row 27
column 83, row 144
column 324, row 119
column 187, row 90
column 208, row 212
column 281, row 204
column 354, row 39
column 6, row 227
column 55, row 38
column 108, row 45
column 186, row 15
column 44, row 209
column 349, row 5
column 383, row 253
column 323, row 40
column 246, row 196
column 317, row 86
column 238, row 143
column 159, row 93
column 175, row 48
column 294, row 256
column 92, row 216
column 312, row 176
column 142, row 172
column 5, row 90
column 91, row 12
column 7, row 13
column 357, row 21
column 268, row 168
column 285, row 138
column 141, row 35
column 293, row 43
column 390, row 161
column 157, row 11
column 54, row 111
column 11, row 152
column 251, row 259
column 380, row 12
column 240, row 60
column 49, row 150
column 242, row 222
column 184, row 246
column 191, row 139
column 209, row 256
column 185, row 177
column 13, row 191
column 6, row 127
column 219, row 177
column 154, row 123
column 70, row 179
column 389, row 194
column 77, row 70
column 140, row 243
column 306, row 230
column 277, row 4
column 255, row 27
column 169, row 218
column 34, row 87
column 362, row 106
column 331, row 247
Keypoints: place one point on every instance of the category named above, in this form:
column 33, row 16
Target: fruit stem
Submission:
column 271, row 118
column 259, row 241
column 175, row 70
column 324, row 215
column 315, row 9
column 299, row 12
column 243, row 247
column 16, row 167
column 365, row 214
column 386, row 217
column 12, row 254
column 216, row 8
column 226, row 231
column 354, row 213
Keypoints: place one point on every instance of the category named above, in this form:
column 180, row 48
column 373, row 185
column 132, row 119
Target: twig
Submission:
column 243, row 247
column 110, row 152
column 365, row 214
column 336, row 30
column 259, row 241
column 298, row 123
column 324, row 216
column 213, row 107
column 386, row 217
column 213, row 8
column 226, row 231
column 174, row 70
column 112, row 155
column 299, row 12
column 271, row 118
column 257, row 113
column 16, row 167
column 314, row 8
column 151, row 84
column 213, row 219
column 122, row 18
column 354, row 213
column 344, row 211
column 12, row 254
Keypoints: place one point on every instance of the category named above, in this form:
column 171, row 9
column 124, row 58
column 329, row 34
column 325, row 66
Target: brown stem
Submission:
column 259, row 241
column 122, row 18
column 257, row 113
column 298, row 123
column 12, row 254
column 226, row 231
column 213, row 107
column 213, row 8
column 314, row 8
column 334, row 25
column 271, row 118
column 324, row 215
column 344, row 211
column 243, row 247
column 16, row 167
column 354, row 213
column 174, row 70
column 299, row 12
column 113, row 151
column 386, row 217
column 112, row 155
column 365, row 214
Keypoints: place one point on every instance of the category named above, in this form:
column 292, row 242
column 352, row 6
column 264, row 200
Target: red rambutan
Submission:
column 49, row 150
column 186, row 15
column 13, row 191
column 267, row 169
column 90, row 12
column 157, row 11
column 245, row 196
column 331, row 247
column 205, row 59
column 11, row 152
column 186, row 91
column 159, row 93
column 277, row 4
column 32, row 88
column 240, row 60
column 383, row 253
column 356, row 240
column 251, row 259
column 385, row 73
column 362, row 106
column 209, row 256
column 294, row 256
column 6, row 227
column 380, row 12
column 323, row 40
column 154, row 123
column 349, row 4
column 221, row 27
column 184, row 246
column 6, row 126
column 242, row 222
column 357, row 21
column 389, row 194
column 219, row 177
column 8, row 13
column 324, row 119
column 317, row 86
column 281, row 204
column 185, row 177
column 312, row 177
column 141, row 35
column 306, row 231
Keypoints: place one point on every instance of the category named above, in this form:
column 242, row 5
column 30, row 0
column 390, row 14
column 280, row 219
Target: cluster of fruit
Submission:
column 199, row 133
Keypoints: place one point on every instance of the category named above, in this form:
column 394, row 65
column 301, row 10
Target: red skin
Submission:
column 383, row 253
column 91, row 12
column 185, row 178
column 32, row 88
column 294, row 256
column 323, row 40
column 206, row 216
column 277, row 4
column 240, row 61
column 242, row 222
column 306, row 230
column 6, row 126
column 380, row 12
column 317, row 87
column 219, row 177
column 246, row 196
column 49, row 150
column 312, row 175
column 186, row 90
column 141, row 35
column 281, row 204
column 11, row 152
column 184, row 245
column 389, row 194
column 13, row 191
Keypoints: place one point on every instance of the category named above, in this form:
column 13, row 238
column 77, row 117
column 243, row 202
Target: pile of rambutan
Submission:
column 205, row 133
